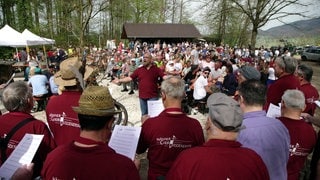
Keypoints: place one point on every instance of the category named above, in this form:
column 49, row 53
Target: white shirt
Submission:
column 199, row 91
column 271, row 75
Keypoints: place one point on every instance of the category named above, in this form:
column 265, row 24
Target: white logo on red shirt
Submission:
column 173, row 142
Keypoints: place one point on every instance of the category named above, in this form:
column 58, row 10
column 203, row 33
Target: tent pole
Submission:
column 17, row 54
column 45, row 55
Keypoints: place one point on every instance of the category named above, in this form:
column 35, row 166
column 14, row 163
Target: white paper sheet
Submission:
column 155, row 107
column 317, row 103
column 274, row 111
column 124, row 140
column 21, row 155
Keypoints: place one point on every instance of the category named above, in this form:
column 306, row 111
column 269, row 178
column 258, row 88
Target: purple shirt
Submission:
column 270, row 139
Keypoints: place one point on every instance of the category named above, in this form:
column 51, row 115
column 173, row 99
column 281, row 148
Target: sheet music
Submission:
column 155, row 107
column 21, row 155
column 274, row 111
column 124, row 140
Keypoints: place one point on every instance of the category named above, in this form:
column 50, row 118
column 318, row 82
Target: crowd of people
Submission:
column 236, row 86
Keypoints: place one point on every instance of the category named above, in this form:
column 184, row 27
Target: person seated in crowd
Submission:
column 171, row 69
column 165, row 144
column 302, row 135
column 88, row 156
column 207, row 62
column 186, row 73
column 54, row 88
column 201, row 90
column 229, row 84
column 159, row 61
column 217, row 71
column 32, row 64
column 304, row 74
column 221, row 157
column 40, row 85
column 17, row 99
column 266, row 136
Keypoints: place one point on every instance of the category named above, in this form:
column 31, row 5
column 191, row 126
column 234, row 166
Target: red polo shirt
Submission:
column 98, row 162
column 311, row 94
column 277, row 89
column 62, row 119
column 302, row 141
column 218, row 159
column 166, row 136
column 148, row 81
column 11, row 119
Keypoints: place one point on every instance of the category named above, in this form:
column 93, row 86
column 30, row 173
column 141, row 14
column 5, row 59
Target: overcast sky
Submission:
column 313, row 12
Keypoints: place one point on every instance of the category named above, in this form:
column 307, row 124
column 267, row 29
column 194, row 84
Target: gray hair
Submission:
column 287, row 63
column 173, row 87
column 17, row 97
column 294, row 98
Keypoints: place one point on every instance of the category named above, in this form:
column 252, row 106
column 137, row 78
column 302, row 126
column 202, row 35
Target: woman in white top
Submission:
column 271, row 76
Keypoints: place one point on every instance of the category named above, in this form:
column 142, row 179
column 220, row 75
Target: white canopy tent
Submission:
column 33, row 39
column 11, row 37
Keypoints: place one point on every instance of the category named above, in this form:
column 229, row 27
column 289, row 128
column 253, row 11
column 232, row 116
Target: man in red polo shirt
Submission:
column 311, row 94
column 17, row 99
column 171, row 132
column 221, row 157
column 88, row 156
column 302, row 135
column 285, row 68
column 148, row 77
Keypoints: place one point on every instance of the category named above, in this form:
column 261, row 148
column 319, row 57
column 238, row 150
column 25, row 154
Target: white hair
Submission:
column 294, row 98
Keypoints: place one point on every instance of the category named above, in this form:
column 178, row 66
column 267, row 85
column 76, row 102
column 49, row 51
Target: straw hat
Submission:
column 96, row 101
column 68, row 72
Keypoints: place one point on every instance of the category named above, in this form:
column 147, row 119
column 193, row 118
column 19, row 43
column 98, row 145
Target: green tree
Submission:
column 8, row 14
column 260, row 12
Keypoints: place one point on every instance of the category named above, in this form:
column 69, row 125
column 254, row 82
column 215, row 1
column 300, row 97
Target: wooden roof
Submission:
column 141, row 31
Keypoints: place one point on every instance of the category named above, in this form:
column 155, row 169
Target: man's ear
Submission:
column 109, row 124
column 283, row 104
column 304, row 108
column 240, row 100
column 163, row 95
column 207, row 125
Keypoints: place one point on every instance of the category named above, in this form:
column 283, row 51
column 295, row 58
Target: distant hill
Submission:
column 303, row 28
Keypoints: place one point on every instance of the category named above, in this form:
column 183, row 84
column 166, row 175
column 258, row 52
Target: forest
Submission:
column 85, row 22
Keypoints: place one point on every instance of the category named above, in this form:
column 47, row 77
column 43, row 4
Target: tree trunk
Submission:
column 49, row 17
column 254, row 34
column 36, row 15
